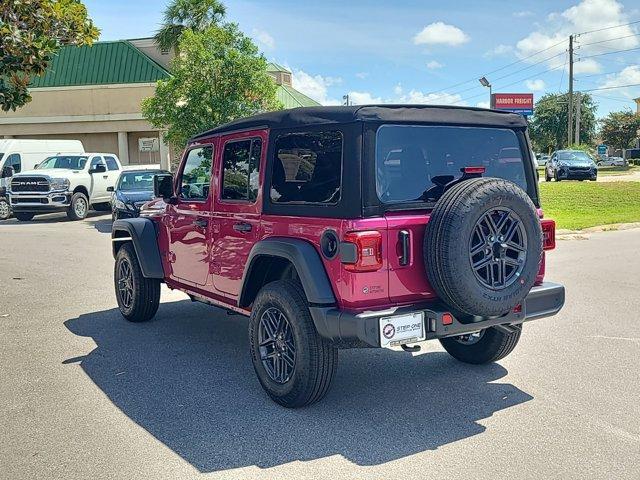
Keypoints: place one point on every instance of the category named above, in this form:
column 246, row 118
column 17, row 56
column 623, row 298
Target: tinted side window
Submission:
column 241, row 163
column 307, row 168
column 14, row 161
column 196, row 175
column 111, row 163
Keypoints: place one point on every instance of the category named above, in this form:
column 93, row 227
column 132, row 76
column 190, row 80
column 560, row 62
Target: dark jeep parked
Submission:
column 343, row 227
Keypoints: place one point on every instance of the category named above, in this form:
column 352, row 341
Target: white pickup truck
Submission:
column 71, row 183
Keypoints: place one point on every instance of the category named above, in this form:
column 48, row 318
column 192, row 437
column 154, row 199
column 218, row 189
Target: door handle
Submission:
column 105, row 176
column 201, row 222
column 242, row 227
column 403, row 236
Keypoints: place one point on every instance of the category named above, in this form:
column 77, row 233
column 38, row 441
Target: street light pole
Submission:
column 485, row 83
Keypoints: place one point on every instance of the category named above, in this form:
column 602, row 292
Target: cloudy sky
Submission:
column 417, row 51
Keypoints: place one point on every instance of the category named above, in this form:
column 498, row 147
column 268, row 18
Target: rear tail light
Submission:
column 447, row 318
column 366, row 251
column 473, row 170
column 548, row 234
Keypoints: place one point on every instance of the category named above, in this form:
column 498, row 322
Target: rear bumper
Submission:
column 363, row 330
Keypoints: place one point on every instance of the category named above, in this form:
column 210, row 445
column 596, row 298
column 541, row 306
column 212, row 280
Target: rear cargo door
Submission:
column 407, row 274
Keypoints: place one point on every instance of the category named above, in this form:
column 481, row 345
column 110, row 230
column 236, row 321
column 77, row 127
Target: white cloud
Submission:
column 523, row 14
column 628, row 76
column 483, row 105
column 315, row 86
column 585, row 16
column 362, row 75
column 535, row 85
column 499, row 50
column 263, row 37
column 433, row 65
column 411, row 97
column 439, row 33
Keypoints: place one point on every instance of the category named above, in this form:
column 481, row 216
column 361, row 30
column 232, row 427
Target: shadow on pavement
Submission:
column 56, row 217
column 102, row 225
column 187, row 379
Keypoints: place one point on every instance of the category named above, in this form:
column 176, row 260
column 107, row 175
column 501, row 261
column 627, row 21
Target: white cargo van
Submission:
column 17, row 155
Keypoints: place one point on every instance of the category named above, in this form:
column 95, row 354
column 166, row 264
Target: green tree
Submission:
column 620, row 129
column 31, row 32
column 180, row 15
column 218, row 77
column 548, row 127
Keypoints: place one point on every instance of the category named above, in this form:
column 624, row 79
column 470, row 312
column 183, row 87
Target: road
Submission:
column 85, row 394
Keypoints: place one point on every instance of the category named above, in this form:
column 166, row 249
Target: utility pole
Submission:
column 570, row 123
column 578, row 112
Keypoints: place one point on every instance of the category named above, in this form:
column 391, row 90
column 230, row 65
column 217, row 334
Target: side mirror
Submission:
column 111, row 189
column 99, row 168
column 163, row 186
column 7, row 172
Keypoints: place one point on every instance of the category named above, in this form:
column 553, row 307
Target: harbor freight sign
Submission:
column 521, row 103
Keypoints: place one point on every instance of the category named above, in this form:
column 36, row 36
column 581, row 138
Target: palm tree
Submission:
column 182, row 14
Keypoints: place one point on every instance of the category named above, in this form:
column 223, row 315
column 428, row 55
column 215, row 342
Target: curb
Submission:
column 564, row 234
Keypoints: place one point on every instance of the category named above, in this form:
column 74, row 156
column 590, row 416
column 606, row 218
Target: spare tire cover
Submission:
column 483, row 246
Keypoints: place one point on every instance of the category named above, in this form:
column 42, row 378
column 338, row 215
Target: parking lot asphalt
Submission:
column 84, row 394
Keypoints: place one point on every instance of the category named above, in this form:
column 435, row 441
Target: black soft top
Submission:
column 431, row 114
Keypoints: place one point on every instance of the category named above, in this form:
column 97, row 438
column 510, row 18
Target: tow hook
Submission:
column 407, row 348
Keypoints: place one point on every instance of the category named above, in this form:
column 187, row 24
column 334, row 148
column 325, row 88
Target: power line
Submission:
column 610, row 53
column 566, row 59
column 609, row 40
column 618, row 99
column 608, row 28
column 612, row 88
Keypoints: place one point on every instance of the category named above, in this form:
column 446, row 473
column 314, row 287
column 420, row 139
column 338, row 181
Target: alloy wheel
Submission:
column 498, row 248
column 80, row 207
column 125, row 283
column 276, row 345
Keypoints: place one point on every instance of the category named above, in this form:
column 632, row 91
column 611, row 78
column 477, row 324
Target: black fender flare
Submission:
column 306, row 260
column 142, row 232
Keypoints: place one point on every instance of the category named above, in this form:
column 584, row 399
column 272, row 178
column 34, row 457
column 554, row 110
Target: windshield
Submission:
column 415, row 163
column 574, row 157
column 136, row 181
column 71, row 162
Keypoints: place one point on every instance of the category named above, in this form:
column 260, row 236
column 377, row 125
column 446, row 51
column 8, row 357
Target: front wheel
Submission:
column 138, row 297
column 5, row 209
column 294, row 364
column 547, row 177
column 79, row 207
column 485, row 346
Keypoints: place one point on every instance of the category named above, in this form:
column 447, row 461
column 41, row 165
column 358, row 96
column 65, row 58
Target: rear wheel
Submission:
column 138, row 297
column 24, row 216
column 79, row 207
column 485, row 346
column 294, row 364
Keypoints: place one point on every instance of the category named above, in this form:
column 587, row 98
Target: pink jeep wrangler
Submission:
column 347, row 227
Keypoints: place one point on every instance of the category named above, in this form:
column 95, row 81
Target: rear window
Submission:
column 307, row 168
column 414, row 162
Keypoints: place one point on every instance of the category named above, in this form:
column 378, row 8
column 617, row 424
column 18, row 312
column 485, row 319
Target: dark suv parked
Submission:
column 343, row 227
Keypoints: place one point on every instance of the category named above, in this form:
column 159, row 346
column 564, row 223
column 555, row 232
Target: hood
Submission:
column 48, row 172
column 135, row 196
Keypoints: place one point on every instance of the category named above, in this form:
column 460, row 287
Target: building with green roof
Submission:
column 93, row 94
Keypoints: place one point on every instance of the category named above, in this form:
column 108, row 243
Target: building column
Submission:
column 165, row 162
column 123, row 147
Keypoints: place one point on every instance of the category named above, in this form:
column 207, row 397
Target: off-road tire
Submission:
column 24, row 216
column 493, row 346
column 72, row 212
column 145, row 296
column 316, row 358
column 447, row 246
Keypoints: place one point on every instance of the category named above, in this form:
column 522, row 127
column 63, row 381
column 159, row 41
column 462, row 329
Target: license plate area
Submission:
column 401, row 329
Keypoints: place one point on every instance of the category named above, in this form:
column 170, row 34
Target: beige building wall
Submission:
column 106, row 118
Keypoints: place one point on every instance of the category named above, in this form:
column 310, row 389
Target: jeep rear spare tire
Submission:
column 483, row 246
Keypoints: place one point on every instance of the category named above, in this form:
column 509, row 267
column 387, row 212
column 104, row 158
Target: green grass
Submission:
column 578, row 205
column 618, row 170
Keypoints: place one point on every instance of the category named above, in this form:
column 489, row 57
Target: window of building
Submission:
column 307, row 168
column 241, row 165
column 196, row 175
column 111, row 163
